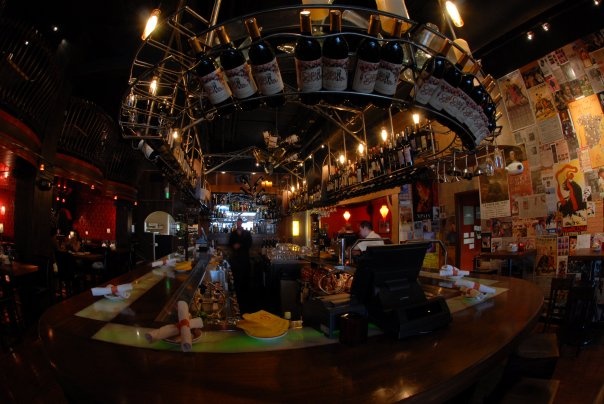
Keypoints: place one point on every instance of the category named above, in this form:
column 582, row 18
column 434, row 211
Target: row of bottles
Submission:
column 393, row 155
column 318, row 68
column 458, row 94
column 326, row 68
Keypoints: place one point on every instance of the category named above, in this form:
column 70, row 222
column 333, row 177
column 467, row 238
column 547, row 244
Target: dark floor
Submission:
column 26, row 376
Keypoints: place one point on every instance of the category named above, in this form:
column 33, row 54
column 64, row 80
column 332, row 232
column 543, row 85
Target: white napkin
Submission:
column 474, row 285
column 119, row 290
column 168, row 262
column 171, row 330
column 183, row 327
column 450, row 270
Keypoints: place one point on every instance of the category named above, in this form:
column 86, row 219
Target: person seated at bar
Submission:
column 366, row 232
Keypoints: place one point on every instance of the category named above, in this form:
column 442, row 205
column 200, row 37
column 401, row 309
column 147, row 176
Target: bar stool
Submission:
column 531, row 391
column 69, row 280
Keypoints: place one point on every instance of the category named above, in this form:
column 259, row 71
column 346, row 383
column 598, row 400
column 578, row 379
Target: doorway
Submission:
column 467, row 222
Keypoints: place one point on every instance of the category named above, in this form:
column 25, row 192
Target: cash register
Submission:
column 386, row 289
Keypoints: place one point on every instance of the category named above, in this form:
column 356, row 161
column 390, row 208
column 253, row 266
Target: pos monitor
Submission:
column 386, row 282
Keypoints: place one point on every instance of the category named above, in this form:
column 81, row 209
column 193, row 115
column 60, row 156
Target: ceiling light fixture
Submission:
column 530, row 35
column 545, row 26
column 151, row 23
column 454, row 14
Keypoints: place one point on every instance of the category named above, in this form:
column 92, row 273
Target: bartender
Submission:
column 366, row 232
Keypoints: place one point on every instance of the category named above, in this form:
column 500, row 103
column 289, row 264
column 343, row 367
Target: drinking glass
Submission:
column 467, row 173
column 394, row 7
column 318, row 14
column 489, row 167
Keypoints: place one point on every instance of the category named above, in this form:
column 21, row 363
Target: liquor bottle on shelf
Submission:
column 265, row 68
column 211, row 80
column 392, row 59
column 408, row 149
column 237, row 72
column 368, row 62
column 352, row 174
column 308, row 62
column 335, row 60
column 359, row 170
column 400, row 153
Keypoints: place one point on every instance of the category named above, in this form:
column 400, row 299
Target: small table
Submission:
column 587, row 255
column 509, row 256
column 18, row 269
column 85, row 260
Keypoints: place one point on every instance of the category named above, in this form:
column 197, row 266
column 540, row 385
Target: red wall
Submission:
column 335, row 221
column 7, row 199
column 95, row 214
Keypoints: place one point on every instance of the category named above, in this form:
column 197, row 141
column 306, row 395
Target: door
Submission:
column 467, row 215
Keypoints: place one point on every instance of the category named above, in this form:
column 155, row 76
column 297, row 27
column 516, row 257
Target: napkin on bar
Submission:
column 450, row 270
column 119, row 290
column 165, row 261
column 474, row 285
column 183, row 327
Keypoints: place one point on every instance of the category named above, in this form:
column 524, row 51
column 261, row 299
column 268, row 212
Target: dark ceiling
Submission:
column 103, row 37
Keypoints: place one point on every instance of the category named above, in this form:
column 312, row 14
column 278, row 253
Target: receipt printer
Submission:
column 323, row 312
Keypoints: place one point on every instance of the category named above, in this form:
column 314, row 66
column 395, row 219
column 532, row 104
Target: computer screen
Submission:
column 387, row 275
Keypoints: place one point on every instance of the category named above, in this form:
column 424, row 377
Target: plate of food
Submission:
column 115, row 297
column 250, row 334
column 195, row 337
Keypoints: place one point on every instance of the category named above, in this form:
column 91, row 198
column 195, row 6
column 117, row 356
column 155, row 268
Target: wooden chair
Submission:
column 536, row 355
column 577, row 327
column 556, row 304
column 69, row 279
column 531, row 391
column 11, row 320
column 40, row 288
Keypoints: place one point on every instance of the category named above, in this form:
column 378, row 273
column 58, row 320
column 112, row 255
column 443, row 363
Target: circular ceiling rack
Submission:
column 149, row 118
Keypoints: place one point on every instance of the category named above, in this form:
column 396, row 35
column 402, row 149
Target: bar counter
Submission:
column 428, row 368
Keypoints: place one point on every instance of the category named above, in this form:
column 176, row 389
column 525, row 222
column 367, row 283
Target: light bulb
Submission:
column 151, row 24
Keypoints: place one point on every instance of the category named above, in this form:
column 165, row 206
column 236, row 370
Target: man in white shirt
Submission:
column 366, row 231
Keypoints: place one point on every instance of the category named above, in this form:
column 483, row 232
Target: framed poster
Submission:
column 485, row 242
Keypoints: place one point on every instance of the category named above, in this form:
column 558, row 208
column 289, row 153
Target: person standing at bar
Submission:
column 240, row 241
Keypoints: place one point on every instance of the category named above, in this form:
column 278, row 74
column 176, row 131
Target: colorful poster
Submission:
column 571, row 200
column 423, row 199
column 542, row 101
column 586, row 114
column 494, row 195
column 516, row 100
column 546, row 256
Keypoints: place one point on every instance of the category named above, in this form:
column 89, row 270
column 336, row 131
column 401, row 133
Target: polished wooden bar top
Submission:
column 427, row 368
